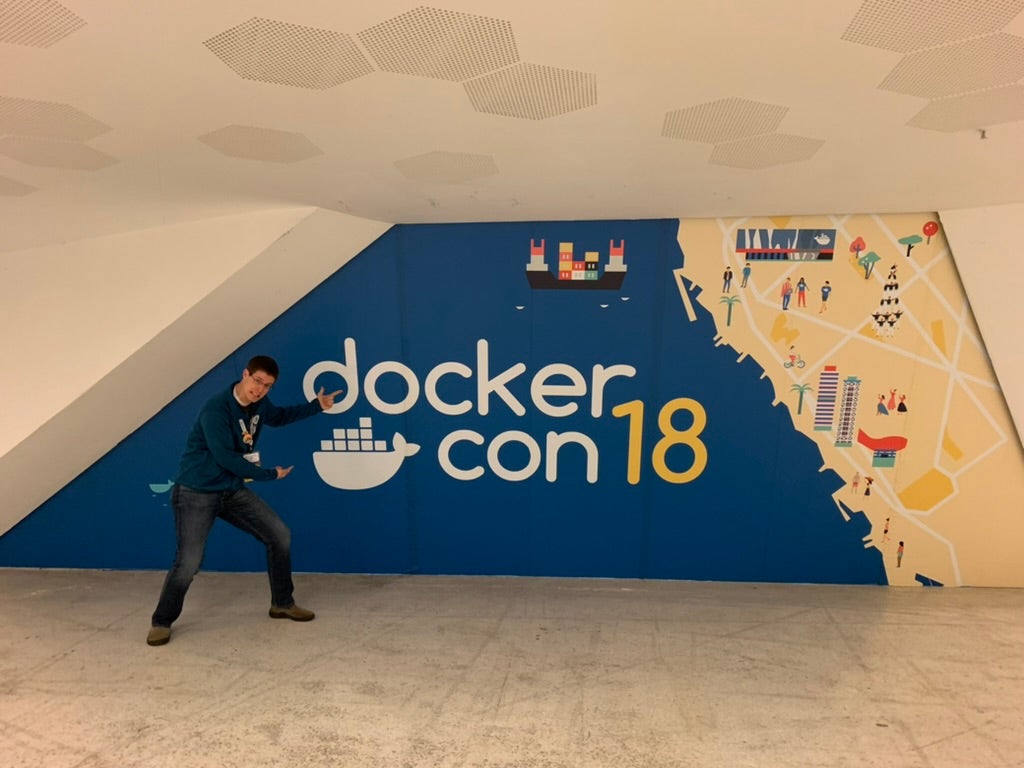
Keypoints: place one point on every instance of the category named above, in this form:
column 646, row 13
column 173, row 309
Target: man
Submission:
column 826, row 289
column 787, row 292
column 220, row 455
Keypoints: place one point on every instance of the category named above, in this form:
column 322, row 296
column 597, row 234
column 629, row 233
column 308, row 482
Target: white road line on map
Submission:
column 992, row 449
column 684, row 295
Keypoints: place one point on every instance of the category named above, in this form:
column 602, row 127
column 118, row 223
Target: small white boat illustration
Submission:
column 357, row 470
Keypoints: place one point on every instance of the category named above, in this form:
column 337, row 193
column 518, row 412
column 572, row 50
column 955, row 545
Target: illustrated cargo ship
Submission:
column 574, row 273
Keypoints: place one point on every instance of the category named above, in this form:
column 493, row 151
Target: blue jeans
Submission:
column 194, row 514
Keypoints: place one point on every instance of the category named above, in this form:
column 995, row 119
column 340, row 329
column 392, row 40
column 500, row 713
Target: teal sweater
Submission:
column 213, row 458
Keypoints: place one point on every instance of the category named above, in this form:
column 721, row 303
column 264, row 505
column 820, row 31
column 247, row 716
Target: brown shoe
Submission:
column 293, row 612
column 158, row 636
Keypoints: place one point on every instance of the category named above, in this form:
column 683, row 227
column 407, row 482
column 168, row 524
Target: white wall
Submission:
column 986, row 247
column 93, row 353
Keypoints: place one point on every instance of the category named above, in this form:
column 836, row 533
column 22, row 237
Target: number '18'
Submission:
column 670, row 436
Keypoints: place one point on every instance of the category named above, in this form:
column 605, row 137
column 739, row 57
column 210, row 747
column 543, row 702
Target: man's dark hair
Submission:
column 263, row 363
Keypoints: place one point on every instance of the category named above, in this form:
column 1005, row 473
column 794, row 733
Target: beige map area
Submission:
column 955, row 496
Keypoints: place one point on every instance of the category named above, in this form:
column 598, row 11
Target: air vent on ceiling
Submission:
column 13, row 188
column 276, row 52
column 36, row 23
column 266, row 144
column 447, row 167
column 445, row 45
column 973, row 110
column 911, row 25
column 723, row 120
column 532, row 91
column 971, row 65
column 54, row 154
column 765, row 151
column 46, row 119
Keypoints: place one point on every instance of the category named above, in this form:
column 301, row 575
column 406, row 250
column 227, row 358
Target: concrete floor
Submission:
column 429, row 671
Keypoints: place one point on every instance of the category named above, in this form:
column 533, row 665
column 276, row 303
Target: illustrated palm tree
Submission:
column 729, row 300
column 801, row 388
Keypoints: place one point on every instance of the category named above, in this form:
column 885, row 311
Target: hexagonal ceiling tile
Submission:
column 47, row 119
column 446, row 45
column 288, row 54
column 765, row 151
column 54, row 154
column 14, row 188
column 912, row 25
column 971, row 65
column 252, row 143
column 723, row 120
column 36, row 23
column 973, row 110
column 447, row 167
column 532, row 91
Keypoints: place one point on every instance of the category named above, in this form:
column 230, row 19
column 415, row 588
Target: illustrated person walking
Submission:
column 801, row 292
column 220, row 455
column 826, row 289
column 727, row 280
column 786, row 293
column 746, row 275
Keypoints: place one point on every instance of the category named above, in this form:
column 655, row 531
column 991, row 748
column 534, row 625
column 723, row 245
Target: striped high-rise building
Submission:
column 848, row 412
column 828, row 388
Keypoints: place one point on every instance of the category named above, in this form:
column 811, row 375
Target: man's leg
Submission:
column 194, row 513
column 248, row 512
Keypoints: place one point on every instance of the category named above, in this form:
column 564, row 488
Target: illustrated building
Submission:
column 848, row 412
column 828, row 387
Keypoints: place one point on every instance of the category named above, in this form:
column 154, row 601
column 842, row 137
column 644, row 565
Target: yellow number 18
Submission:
column 670, row 436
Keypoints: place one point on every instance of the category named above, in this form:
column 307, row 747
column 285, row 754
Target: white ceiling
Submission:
column 118, row 115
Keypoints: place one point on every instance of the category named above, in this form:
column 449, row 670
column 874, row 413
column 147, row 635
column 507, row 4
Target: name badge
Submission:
column 253, row 457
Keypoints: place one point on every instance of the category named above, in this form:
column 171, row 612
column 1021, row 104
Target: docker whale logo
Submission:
column 353, row 460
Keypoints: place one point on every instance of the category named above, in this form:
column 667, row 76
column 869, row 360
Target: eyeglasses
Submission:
column 262, row 382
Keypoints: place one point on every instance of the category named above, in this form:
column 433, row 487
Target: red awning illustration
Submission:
column 889, row 443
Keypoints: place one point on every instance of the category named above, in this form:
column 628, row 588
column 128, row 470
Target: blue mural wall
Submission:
column 508, row 477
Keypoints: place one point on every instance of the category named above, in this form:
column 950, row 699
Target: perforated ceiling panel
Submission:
column 446, row 45
column 765, row 151
column 38, row 23
column 54, row 154
column 959, row 68
column 972, row 111
column 447, row 167
column 13, row 188
column 911, row 25
column 266, row 144
column 25, row 117
column 532, row 91
column 287, row 54
column 723, row 120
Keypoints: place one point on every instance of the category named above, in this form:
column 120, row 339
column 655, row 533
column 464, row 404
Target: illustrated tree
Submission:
column 729, row 300
column 857, row 246
column 910, row 241
column 929, row 229
column 868, row 261
column 801, row 389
